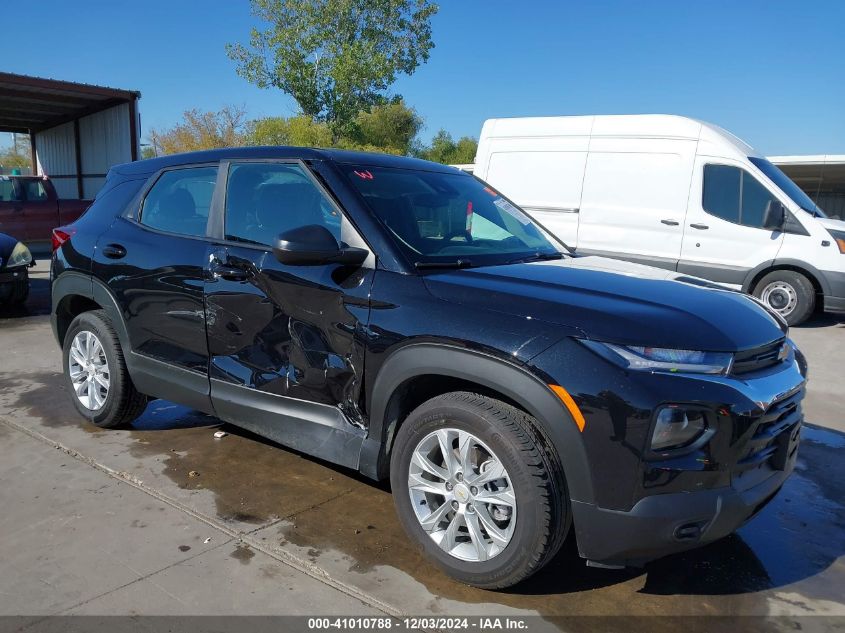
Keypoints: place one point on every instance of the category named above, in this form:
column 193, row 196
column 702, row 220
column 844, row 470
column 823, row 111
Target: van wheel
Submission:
column 788, row 293
column 95, row 373
column 480, row 489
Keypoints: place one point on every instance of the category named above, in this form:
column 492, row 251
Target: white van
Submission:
column 672, row 192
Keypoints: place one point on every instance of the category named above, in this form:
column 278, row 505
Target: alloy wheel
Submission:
column 462, row 495
column 89, row 370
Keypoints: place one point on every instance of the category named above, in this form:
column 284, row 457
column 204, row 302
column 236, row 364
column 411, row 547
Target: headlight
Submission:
column 20, row 256
column 664, row 359
column 676, row 427
column 839, row 238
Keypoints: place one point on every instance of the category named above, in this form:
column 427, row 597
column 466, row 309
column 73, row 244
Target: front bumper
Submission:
column 9, row 278
column 646, row 505
column 669, row 523
column 835, row 300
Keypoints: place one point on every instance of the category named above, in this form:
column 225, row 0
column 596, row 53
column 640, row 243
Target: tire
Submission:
column 20, row 292
column 121, row 402
column 541, row 509
column 788, row 293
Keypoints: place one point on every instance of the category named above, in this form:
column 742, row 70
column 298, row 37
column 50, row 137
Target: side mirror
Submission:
column 313, row 245
column 774, row 216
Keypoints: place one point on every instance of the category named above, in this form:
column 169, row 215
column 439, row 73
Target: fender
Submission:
column 151, row 376
column 67, row 283
column 512, row 380
column 791, row 263
column 85, row 285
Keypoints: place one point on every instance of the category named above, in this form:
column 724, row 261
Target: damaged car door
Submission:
column 285, row 353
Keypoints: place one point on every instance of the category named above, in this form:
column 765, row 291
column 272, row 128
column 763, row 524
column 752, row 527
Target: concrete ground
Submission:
column 163, row 518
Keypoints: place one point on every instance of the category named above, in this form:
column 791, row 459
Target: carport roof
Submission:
column 822, row 173
column 30, row 104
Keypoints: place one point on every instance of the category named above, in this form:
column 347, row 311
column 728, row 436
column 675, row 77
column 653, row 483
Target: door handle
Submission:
column 700, row 227
column 229, row 273
column 669, row 222
column 114, row 251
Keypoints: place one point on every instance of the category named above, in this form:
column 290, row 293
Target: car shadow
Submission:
column 822, row 320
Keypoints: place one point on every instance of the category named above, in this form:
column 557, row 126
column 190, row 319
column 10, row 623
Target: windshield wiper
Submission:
column 537, row 257
column 458, row 263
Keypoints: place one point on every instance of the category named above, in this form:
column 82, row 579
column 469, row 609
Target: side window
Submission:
column 735, row 195
column 179, row 201
column 34, row 190
column 722, row 187
column 755, row 200
column 7, row 190
column 266, row 199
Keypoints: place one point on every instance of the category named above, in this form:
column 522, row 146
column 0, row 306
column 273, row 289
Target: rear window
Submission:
column 179, row 201
column 437, row 217
column 34, row 190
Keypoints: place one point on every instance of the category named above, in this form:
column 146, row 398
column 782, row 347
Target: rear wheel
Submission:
column 788, row 293
column 480, row 489
column 96, row 375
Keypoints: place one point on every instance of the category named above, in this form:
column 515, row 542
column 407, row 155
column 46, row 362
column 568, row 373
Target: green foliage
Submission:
column 389, row 128
column 299, row 130
column 336, row 58
column 16, row 156
column 201, row 130
column 10, row 159
column 444, row 149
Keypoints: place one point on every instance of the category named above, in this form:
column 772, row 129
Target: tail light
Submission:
column 62, row 235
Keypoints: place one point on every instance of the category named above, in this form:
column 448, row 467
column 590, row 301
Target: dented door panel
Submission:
column 288, row 331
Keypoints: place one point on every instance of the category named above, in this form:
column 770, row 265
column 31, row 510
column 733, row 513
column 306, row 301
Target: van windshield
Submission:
column 450, row 220
column 786, row 185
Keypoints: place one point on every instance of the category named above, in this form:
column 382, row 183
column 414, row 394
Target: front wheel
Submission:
column 788, row 293
column 480, row 489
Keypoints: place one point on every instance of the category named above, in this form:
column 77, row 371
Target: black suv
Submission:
column 405, row 319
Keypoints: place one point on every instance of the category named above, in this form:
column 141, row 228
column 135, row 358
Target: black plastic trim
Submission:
column 512, row 381
column 319, row 430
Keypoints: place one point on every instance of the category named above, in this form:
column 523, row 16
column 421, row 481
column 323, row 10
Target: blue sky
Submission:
column 772, row 72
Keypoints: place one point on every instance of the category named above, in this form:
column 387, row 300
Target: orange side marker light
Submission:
column 570, row 405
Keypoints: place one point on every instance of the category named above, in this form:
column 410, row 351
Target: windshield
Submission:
column 450, row 219
column 787, row 186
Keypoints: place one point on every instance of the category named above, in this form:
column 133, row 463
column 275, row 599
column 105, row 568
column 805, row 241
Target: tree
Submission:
column 17, row 156
column 336, row 58
column 299, row 130
column 444, row 149
column 388, row 128
column 201, row 130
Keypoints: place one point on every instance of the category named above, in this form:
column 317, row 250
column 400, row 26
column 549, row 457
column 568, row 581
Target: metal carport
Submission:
column 822, row 177
column 78, row 131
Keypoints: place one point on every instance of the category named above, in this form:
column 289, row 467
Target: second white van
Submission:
column 671, row 192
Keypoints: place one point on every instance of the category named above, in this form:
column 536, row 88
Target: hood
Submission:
column 615, row 301
column 7, row 243
column 832, row 224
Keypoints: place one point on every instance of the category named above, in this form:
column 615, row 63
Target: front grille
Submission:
column 757, row 358
column 772, row 440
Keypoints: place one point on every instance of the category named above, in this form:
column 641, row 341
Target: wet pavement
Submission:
column 787, row 561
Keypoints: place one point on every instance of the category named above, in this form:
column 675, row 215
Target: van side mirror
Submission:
column 774, row 216
column 314, row 245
